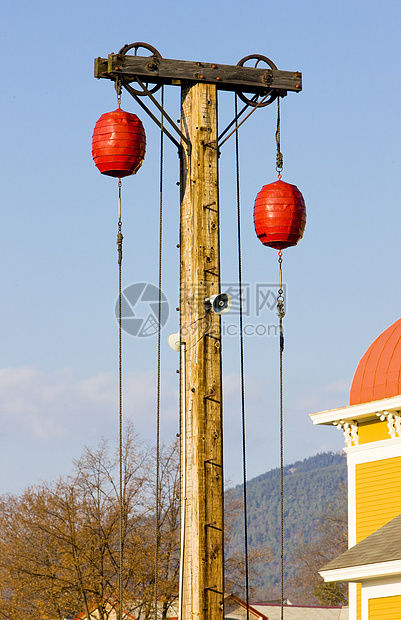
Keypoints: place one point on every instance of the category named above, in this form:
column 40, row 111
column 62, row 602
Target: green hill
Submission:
column 309, row 486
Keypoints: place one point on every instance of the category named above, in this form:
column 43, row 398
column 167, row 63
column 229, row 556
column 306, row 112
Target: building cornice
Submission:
column 361, row 573
column 375, row 446
column 360, row 412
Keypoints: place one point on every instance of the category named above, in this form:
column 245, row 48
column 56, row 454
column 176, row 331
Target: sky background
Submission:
column 58, row 277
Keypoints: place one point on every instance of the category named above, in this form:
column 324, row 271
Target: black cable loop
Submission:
column 279, row 155
column 157, row 524
column 242, row 363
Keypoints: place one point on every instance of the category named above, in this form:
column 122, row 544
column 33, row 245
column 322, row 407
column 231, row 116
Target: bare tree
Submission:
column 166, row 533
column 330, row 541
column 59, row 542
column 235, row 562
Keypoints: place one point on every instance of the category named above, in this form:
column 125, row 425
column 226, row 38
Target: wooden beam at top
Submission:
column 155, row 70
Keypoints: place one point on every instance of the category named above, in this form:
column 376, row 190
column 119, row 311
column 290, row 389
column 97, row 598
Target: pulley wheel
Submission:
column 254, row 60
column 153, row 54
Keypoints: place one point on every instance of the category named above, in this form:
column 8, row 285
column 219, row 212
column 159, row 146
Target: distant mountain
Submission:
column 309, row 486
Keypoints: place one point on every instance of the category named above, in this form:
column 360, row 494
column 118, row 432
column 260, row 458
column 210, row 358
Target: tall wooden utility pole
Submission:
column 199, row 279
column 201, row 401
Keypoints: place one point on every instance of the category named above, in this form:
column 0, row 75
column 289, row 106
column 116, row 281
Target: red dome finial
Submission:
column 378, row 374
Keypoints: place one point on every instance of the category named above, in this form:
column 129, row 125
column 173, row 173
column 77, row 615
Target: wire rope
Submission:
column 279, row 155
column 183, row 354
column 120, row 399
column 281, row 314
column 157, row 517
column 241, row 331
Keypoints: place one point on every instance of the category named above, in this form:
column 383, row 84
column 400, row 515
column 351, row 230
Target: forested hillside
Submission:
column 310, row 488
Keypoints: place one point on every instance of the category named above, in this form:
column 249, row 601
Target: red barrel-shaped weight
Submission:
column 279, row 215
column 118, row 143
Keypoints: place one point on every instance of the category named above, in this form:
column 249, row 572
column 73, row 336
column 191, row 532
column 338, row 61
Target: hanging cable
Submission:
column 117, row 86
column 281, row 314
column 279, row 155
column 157, row 523
column 241, row 331
column 183, row 354
column 120, row 395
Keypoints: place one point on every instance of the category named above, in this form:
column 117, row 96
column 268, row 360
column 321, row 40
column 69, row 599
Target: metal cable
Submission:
column 281, row 477
column 281, row 314
column 157, row 524
column 120, row 398
column 183, row 355
column 242, row 363
column 279, row 155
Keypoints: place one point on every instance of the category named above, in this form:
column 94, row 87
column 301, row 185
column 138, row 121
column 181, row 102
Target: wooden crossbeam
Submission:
column 154, row 70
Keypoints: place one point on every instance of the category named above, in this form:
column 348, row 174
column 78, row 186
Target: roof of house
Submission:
column 302, row 612
column 384, row 545
column 237, row 609
column 362, row 412
column 93, row 610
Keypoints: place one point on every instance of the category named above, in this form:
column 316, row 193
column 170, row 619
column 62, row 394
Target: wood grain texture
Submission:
column 199, row 258
column 225, row 77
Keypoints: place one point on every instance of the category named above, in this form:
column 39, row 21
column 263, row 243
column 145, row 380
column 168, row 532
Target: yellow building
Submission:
column 372, row 431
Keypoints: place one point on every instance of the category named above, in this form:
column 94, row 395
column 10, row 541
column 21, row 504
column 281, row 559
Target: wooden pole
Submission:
column 200, row 330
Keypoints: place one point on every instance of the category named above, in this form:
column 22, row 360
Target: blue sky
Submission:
column 340, row 139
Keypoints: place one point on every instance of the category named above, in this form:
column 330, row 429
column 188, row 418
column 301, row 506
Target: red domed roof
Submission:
column 379, row 372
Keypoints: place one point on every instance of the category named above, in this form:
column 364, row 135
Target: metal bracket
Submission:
column 209, row 206
column 214, row 589
column 210, row 397
column 153, row 117
column 212, row 462
column 214, row 526
column 240, row 113
column 238, row 125
column 213, row 337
